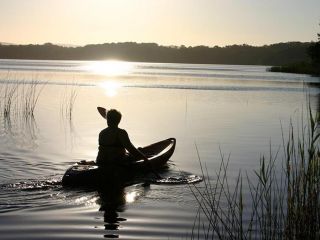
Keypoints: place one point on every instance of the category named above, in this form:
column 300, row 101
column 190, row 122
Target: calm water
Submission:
column 239, row 109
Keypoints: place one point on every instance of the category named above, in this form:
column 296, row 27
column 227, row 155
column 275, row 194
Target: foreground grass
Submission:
column 283, row 200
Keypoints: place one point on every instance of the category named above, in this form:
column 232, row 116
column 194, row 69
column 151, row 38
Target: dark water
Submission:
column 235, row 109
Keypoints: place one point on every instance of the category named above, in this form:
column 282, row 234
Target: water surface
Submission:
column 236, row 109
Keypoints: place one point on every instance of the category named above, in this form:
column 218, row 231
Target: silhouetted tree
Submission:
column 314, row 53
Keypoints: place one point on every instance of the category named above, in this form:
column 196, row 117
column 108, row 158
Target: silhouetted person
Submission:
column 115, row 147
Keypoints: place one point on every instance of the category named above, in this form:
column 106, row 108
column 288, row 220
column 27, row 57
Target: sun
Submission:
column 109, row 68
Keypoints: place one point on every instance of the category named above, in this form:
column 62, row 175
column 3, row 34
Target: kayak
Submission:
column 88, row 173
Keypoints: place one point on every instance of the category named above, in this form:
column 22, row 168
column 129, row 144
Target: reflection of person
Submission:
column 112, row 201
column 114, row 143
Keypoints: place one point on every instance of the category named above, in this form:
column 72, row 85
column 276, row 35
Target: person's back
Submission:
column 111, row 149
column 113, row 143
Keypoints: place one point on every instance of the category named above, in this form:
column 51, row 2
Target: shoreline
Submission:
column 297, row 68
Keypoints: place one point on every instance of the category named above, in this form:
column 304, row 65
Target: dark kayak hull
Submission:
column 89, row 174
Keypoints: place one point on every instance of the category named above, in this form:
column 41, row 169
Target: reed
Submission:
column 9, row 95
column 30, row 93
column 284, row 194
column 68, row 100
column 19, row 98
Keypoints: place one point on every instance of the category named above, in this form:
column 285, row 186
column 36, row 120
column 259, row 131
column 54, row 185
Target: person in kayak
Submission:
column 115, row 147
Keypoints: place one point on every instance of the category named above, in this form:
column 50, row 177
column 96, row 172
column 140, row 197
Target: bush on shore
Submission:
column 301, row 67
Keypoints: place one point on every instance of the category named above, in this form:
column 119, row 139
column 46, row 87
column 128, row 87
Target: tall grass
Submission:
column 283, row 200
column 68, row 101
column 30, row 93
column 9, row 95
column 303, row 175
column 17, row 106
column 19, row 98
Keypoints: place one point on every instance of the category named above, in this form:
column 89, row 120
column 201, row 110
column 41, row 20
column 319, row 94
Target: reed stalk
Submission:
column 284, row 194
column 20, row 98
column 68, row 101
column 30, row 93
column 9, row 95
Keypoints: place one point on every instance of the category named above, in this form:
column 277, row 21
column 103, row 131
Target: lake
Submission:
column 212, row 110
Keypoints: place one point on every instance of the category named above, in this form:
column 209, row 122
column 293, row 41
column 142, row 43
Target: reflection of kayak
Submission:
column 85, row 173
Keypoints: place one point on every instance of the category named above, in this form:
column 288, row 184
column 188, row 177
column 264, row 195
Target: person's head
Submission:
column 113, row 117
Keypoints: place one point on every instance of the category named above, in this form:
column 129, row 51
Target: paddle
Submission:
column 152, row 170
column 103, row 113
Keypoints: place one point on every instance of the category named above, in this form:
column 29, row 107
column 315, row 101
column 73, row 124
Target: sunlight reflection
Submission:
column 110, row 87
column 110, row 68
column 88, row 201
column 131, row 196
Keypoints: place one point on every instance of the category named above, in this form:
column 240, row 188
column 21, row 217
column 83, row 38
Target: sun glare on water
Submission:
column 110, row 87
column 131, row 196
column 110, row 68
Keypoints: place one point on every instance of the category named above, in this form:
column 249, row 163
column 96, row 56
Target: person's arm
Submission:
column 124, row 138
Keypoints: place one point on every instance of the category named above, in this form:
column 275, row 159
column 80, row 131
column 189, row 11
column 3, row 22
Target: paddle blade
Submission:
column 102, row 111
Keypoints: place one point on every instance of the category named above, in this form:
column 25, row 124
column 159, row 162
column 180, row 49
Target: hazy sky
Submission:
column 167, row 22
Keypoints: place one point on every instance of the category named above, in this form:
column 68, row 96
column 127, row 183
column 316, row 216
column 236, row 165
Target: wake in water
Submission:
column 35, row 193
column 33, row 185
column 173, row 177
column 29, row 194
column 186, row 179
column 176, row 178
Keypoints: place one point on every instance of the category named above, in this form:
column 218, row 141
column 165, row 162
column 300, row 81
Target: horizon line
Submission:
column 160, row 45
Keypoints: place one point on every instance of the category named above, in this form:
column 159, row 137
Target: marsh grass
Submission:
column 9, row 96
column 18, row 103
column 67, row 104
column 282, row 200
column 30, row 93
column 68, row 100
column 19, row 98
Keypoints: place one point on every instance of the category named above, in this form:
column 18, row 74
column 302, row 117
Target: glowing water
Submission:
column 235, row 108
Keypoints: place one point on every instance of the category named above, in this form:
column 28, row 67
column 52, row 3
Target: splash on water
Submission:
column 33, row 185
column 54, row 183
column 191, row 179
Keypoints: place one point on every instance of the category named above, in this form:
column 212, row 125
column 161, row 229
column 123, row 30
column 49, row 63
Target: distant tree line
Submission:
column 275, row 54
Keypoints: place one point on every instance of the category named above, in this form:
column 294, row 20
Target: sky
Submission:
column 166, row 22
